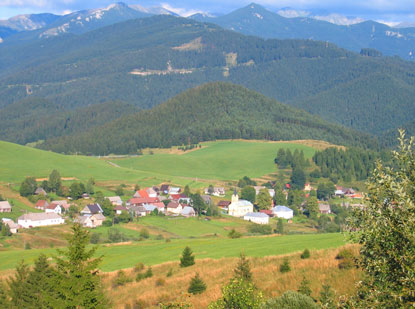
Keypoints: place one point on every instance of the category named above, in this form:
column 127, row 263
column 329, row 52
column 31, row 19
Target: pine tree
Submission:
column 78, row 284
column 3, row 296
column 327, row 297
column 197, row 286
column 305, row 254
column 305, row 287
column 285, row 266
column 18, row 285
column 243, row 269
column 187, row 258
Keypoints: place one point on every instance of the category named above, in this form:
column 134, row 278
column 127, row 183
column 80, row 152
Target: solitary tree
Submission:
column 385, row 230
column 243, row 269
column 54, row 182
column 304, row 287
column 197, row 286
column 187, row 259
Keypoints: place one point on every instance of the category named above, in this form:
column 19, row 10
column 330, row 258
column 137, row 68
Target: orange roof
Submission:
column 143, row 200
column 142, row 193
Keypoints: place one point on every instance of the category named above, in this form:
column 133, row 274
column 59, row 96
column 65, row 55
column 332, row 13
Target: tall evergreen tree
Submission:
column 298, row 178
column 78, row 284
column 18, row 286
column 243, row 269
column 197, row 286
column 187, row 258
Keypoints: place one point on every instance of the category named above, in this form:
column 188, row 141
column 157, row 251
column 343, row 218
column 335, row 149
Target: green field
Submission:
column 156, row 252
column 222, row 160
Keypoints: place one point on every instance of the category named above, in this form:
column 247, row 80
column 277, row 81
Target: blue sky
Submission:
column 388, row 10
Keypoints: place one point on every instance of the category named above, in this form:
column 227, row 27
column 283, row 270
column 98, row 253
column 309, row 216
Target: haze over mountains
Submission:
column 54, row 80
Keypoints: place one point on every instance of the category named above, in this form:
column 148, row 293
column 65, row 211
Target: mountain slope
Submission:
column 256, row 20
column 209, row 112
column 147, row 61
column 29, row 21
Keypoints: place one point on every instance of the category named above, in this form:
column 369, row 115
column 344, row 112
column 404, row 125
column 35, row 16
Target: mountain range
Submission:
column 144, row 62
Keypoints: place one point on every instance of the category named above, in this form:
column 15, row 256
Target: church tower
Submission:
column 235, row 197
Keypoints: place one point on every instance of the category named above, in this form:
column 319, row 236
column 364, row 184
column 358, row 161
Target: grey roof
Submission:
column 39, row 216
column 149, row 207
column 137, row 209
column 5, row 205
column 256, row 215
column 280, row 208
column 187, row 210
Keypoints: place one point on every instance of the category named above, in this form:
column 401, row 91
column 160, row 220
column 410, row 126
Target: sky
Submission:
column 383, row 10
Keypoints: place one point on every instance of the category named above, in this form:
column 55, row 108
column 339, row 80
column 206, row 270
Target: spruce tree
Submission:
column 243, row 269
column 327, row 297
column 18, row 286
column 78, row 284
column 285, row 266
column 305, row 254
column 187, row 258
column 197, row 286
column 305, row 287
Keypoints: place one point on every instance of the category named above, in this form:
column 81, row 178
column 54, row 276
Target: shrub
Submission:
column 197, row 286
column 107, row 223
column 234, row 234
column 140, row 304
column 159, row 237
column 140, row 276
column 346, row 258
column 95, row 237
column 168, row 240
column 160, row 282
column 304, row 287
column 170, row 273
column 144, row 233
column 138, row 267
column 148, row 273
column 263, row 229
column 305, row 254
column 27, row 246
column 291, row 300
column 121, row 279
column 285, row 266
column 187, row 258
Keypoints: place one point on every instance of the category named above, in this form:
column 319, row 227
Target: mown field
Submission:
column 215, row 161
column 152, row 252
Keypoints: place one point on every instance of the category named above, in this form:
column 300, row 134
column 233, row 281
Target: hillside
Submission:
column 209, row 112
column 256, row 20
column 144, row 62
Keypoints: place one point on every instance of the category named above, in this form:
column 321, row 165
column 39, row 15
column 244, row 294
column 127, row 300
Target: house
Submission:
column 239, row 208
column 91, row 221
column 149, row 208
column 140, row 201
column 85, row 196
column 64, row 204
column 14, row 227
column 217, row 191
column 41, row 204
column 174, row 190
column 184, row 199
column 283, row 212
column 39, row 219
column 137, row 211
column 151, row 192
column 188, row 212
column 5, row 206
column 308, row 187
column 268, row 212
column 40, row 191
column 119, row 209
column 257, row 217
column 207, row 199
column 57, row 209
column 141, row 193
column 324, row 208
column 174, row 207
column 115, row 200
column 165, row 189
column 224, row 204
column 91, row 209
column 160, row 206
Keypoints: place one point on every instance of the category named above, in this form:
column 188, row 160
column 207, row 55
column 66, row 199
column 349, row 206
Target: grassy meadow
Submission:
column 215, row 161
column 152, row 252
column 321, row 268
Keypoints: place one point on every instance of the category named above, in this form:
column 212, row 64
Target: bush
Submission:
column 346, row 257
column 27, row 246
column 138, row 267
column 291, row 300
column 107, row 223
column 305, row 254
column 95, row 237
column 114, row 236
column 234, row 234
column 187, row 258
column 140, row 276
column 140, row 304
column 168, row 240
column 170, row 273
column 285, row 266
column 263, row 229
column 148, row 273
column 121, row 279
column 160, row 282
column 159, row 237
column 144, row 233
column 197, row 286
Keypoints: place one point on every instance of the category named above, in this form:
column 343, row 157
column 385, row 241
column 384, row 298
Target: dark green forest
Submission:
column 209, row 112
column 371, row 94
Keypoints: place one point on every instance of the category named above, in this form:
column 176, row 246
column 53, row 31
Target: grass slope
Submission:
column 215, row 161
column 155, row 252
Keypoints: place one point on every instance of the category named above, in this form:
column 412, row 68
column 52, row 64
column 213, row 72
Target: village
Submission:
column 174, row 201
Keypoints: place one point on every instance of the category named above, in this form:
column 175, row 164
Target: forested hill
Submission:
column 208, row 112
column 147, row 61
